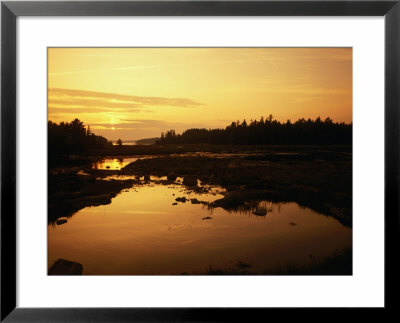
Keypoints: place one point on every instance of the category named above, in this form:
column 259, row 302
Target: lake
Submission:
column 145, row 231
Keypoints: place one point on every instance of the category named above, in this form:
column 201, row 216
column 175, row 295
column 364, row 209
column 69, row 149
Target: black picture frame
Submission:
column 10, row 10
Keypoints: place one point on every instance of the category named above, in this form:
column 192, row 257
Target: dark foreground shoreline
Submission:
column 337, row 263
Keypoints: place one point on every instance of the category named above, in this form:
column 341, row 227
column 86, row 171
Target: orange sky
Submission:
column 134, row 93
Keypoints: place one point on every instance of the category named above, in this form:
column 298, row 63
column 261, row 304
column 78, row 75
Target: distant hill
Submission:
column 147, row 141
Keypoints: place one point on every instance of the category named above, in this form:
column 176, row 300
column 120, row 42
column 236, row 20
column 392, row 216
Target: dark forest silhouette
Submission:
column 267, row 132
column 73, row 137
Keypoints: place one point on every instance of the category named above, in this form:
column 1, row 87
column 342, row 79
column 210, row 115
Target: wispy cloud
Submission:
column 137, row 124
column 140, row 128
column 238, row 55
column 62, row 100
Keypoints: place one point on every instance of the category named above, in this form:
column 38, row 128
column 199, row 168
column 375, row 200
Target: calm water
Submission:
column 113, row 163
column 142, row 233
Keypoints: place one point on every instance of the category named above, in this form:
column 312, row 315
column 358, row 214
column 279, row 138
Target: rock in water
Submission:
column 260, row 212
column 181, row 199
column 190, row 180
column 65, row 267
column 171, row 177
column 61, row 221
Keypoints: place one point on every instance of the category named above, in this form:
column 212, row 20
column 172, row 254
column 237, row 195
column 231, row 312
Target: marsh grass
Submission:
column 338, row 263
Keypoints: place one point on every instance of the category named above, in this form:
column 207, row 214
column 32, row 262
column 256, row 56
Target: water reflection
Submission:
column 149, row 230
column 113, row 163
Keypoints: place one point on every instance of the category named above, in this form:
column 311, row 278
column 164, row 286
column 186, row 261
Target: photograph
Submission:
column 200, row 161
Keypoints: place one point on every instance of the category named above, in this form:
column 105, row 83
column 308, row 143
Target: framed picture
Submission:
column 198, row 160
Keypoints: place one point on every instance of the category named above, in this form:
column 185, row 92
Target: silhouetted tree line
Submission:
column 268, row 131
column 73, row 137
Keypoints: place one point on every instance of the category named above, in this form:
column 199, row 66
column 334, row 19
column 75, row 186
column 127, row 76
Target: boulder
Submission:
column 65, row 267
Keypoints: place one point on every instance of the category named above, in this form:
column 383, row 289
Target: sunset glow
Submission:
column 135, row 93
